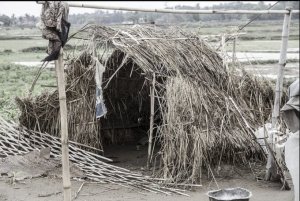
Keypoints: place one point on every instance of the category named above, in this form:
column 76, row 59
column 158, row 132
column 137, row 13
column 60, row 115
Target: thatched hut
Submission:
column 204, row 113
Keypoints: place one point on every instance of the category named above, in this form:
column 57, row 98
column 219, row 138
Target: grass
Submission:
column 15, row 80
column 18, row 45
column 253, row 32
column 266, row 62
column 10, row 31
column 261, row 45
column 20, row 56
column 13, row 31
column 256, row 31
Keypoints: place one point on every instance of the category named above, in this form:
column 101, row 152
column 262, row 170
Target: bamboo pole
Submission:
column 163, row 10
column 271, row 168
column 151, row 120
column 59, row 66
column 223, row 45
column 223, row 48
column 234, row 50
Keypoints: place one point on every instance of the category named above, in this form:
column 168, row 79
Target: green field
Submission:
column 18, row 45
column 265, row 45
column 12, row 31
column 16, row 80
column 253, row 31
column 20, row 56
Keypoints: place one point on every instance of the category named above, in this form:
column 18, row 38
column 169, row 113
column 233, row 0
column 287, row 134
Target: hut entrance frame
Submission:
column 278, row 91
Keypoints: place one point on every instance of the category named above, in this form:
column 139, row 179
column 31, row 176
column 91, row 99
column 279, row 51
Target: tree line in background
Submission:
column 122, row 17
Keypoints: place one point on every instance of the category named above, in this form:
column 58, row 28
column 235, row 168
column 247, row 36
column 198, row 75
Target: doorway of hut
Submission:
column 125, row 129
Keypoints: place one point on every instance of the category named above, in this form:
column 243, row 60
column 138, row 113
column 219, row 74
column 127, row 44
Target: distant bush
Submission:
column 43, row 49
column 8, row 51
column 6, row 67
column 11, row 66
column 15, row 38
column 34, row 49
column 68, row 47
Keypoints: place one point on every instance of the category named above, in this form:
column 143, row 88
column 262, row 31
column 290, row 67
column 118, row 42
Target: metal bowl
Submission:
column 230, row 194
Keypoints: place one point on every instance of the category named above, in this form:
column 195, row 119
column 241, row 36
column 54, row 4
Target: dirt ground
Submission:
column 49, row 188
column 34, row 189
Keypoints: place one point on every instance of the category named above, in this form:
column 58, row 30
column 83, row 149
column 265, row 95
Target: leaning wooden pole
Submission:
column 59, row 67
column 271, row 166
column 151, row 120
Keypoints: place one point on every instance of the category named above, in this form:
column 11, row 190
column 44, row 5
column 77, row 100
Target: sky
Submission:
column 20, row 8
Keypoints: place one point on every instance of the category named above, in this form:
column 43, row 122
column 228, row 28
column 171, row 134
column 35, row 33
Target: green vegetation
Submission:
column 255, row 31
column 21, row 56
column 15, row 80
column 18, row 45
column 264, row 45
column 13, row 31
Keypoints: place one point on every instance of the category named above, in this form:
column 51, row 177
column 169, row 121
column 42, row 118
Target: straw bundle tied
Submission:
column 205, row 114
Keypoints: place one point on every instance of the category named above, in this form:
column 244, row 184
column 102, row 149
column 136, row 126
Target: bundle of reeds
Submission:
column 207, row 114
column 209, row 126
column 41, row 113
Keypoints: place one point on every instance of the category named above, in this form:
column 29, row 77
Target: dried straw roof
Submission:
column 163, row 51
column 208, row 113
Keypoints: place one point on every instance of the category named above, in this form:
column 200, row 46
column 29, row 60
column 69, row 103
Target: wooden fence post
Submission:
column 271, row 166
column 59, row 66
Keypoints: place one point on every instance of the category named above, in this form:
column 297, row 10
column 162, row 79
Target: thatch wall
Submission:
column 206, row 113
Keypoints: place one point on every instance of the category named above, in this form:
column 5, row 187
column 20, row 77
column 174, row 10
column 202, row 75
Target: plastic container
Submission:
column 229, row 194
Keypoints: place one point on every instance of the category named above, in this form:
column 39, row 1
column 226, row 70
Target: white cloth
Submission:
column 100, row 106
column 290, row 111
column 260, row 135
column 292, row 160
column 293, row 89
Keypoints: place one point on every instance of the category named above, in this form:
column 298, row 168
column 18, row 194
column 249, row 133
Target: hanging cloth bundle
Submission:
column 55, row 27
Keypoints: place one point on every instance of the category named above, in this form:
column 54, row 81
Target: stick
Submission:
column 59, row 66
column 151, row 120
column 191, row 185
column 37, row 77
column 45, row 85
column 77, row 193
column 49, row 194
